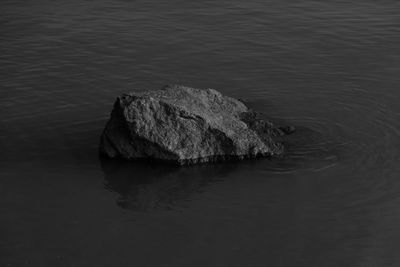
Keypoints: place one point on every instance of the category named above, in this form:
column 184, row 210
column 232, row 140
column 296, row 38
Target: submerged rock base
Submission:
column 184, row 125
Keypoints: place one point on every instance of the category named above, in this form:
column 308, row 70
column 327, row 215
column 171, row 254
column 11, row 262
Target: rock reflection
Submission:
column 145, row 186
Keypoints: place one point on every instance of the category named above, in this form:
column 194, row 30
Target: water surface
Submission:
column 332, row 67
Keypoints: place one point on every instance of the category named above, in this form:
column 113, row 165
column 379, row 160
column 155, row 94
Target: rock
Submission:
column 185, row 125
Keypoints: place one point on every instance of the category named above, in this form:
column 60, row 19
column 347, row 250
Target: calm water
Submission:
column 332, row 67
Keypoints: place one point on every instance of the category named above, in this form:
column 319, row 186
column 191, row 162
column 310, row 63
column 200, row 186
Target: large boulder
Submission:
column 186, row 125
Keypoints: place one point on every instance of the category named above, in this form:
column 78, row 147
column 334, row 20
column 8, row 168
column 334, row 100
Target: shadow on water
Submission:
column 145, row 186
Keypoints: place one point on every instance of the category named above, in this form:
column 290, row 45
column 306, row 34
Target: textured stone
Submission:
column 185, row 125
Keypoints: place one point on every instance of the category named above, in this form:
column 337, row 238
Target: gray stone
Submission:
column 185, row 125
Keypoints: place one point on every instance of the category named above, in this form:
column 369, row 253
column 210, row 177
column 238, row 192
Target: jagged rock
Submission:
column 186, row 125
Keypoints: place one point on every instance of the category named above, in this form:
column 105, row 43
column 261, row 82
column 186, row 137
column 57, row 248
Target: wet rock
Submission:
column 186, row 125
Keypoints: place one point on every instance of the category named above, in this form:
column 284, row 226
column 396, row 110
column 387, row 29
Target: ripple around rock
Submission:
column 185, row 125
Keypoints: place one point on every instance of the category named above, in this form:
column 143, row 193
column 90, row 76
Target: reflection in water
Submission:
column 145, row 186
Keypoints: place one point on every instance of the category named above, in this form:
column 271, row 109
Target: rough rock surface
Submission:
column 186, row 125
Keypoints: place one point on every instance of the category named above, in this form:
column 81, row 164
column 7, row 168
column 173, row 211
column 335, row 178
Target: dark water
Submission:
column 332, row 67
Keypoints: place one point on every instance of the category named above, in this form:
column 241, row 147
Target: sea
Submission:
column 331, row 68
